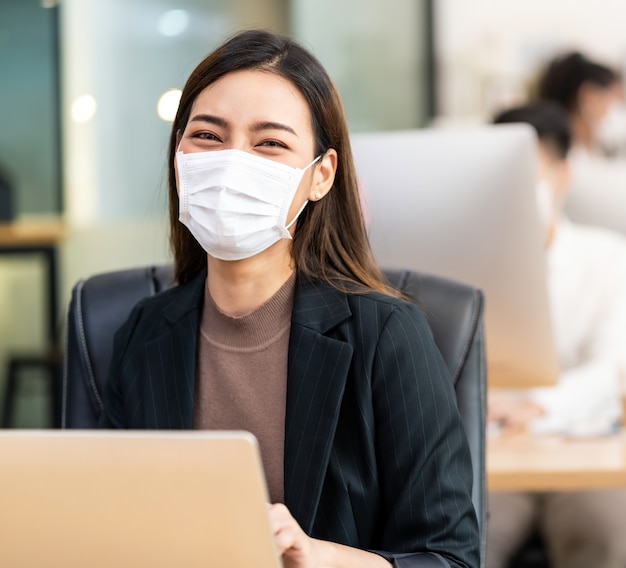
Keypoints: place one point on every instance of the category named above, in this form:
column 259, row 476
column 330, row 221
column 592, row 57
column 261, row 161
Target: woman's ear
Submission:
column 323, row 175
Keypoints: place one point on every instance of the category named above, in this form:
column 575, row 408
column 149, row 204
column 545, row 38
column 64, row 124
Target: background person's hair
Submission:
column 330, row 241
column 549, row 120
column 564, row 75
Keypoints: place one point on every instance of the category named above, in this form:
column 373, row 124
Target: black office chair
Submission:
column 100, row 304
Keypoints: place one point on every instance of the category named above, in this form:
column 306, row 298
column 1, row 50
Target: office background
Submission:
column 82, row 79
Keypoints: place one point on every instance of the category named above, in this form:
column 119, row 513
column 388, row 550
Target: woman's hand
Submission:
column 511, row 415
column 298, row 550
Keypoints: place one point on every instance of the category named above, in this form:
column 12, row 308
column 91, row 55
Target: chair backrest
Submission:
column 98, row 307
column 100, row 304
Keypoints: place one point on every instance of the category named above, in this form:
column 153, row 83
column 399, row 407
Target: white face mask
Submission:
column 610, row 133
column 235, row 203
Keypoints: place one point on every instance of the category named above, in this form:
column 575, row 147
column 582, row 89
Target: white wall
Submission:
column 374, row 52
column 488, row 49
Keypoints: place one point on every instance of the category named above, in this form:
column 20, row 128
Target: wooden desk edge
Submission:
column 565, row 480
column 32, row 233
column 528, row 464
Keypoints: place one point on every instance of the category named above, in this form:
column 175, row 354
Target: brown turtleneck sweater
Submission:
column 241, row 379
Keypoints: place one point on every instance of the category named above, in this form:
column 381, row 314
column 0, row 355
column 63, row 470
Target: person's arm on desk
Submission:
column 421, row 501
column 511, row 412
column 584, row 402
column 301, row 551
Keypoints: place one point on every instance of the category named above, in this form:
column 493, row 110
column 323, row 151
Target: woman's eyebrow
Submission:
column 257, row 127
column 211, row 119
column 268, row 125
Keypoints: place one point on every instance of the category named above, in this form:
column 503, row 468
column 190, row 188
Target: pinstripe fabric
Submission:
column 375, row 453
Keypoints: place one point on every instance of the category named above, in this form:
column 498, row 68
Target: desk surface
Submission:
column 525, row 463
column 40, row 233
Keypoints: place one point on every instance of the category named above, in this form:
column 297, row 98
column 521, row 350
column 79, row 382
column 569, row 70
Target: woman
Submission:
column 588, row 91
column 292, row 333
column 592, row 95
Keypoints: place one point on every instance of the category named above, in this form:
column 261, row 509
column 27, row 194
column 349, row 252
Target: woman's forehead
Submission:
column 254, row 96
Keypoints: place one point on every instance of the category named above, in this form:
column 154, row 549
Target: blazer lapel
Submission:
column 317, row 372
column 169, row 388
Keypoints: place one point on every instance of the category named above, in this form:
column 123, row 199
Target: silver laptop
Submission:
column 461, row 203
column 122, row 499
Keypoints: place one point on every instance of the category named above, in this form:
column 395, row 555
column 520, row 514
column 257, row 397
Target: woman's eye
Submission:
column 206, row 136
column 272, row 144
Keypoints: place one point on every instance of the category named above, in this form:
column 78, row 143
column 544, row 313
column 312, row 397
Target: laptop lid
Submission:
column 133, row 498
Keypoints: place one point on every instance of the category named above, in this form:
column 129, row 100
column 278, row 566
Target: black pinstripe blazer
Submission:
column 375, row 453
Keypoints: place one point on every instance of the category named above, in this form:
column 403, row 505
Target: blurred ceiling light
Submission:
column 173, row 22
column 83, row 108
column 168, row 104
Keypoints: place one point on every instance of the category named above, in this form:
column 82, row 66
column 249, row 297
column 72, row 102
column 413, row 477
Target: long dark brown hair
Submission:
column 566, row 74
column 330, row 241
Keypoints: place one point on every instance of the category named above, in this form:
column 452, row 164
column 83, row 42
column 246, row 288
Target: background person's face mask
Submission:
column 234, row 203
column 610, row 133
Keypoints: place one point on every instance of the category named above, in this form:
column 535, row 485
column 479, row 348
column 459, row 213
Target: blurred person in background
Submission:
column 592, row 94
column 586, row 270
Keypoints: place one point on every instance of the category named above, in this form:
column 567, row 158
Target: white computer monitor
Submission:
column 461, row 203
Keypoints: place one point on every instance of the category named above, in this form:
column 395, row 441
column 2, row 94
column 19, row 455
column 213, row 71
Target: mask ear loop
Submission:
column 297, row 215
column 314, row 160
column 306, row 201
